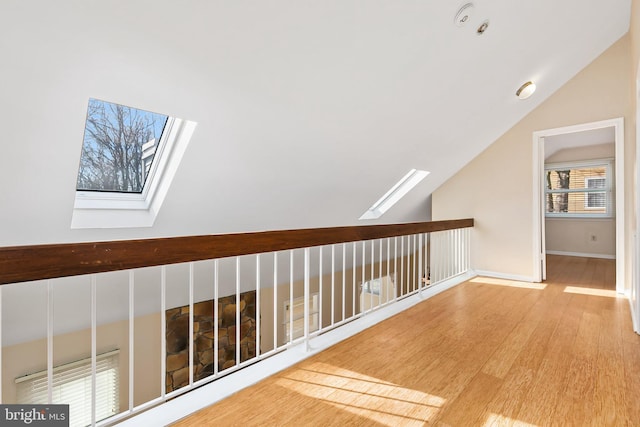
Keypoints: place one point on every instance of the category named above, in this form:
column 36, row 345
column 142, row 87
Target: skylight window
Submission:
column 396, row 193
column 128, row 160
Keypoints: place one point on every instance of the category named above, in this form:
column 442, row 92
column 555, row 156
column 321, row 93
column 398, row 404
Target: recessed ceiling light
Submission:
column 526, row 90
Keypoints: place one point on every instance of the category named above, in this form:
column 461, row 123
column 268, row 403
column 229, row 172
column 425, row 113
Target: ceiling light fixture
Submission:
column 526, row 90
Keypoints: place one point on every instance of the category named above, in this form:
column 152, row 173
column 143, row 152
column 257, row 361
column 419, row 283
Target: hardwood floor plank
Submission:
column 574, row 406
column 469, row 407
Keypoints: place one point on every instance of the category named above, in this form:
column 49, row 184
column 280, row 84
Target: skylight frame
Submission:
column 397, row 192
column 111, row 209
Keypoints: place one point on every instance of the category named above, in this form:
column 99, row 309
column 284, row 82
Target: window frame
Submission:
column 608, row 190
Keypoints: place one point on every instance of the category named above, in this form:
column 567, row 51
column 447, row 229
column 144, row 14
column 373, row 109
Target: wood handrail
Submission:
column 27, row 263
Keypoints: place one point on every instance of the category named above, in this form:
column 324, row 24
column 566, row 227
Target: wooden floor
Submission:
column 487, row 352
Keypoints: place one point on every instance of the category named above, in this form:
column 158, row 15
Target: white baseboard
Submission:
column 199, row 398
column 505, row 276
column 582, row 254
column 634, row 315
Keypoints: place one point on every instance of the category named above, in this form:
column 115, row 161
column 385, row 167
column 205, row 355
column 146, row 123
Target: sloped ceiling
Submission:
column 307, row 111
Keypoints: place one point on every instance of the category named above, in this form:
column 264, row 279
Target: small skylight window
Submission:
column 128, row 159
column 396, row 193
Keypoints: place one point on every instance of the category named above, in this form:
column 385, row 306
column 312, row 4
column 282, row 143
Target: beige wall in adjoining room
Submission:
column 496, row 188
column 589, row 237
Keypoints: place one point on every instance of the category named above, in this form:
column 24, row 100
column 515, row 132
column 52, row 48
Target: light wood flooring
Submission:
column 487, row 352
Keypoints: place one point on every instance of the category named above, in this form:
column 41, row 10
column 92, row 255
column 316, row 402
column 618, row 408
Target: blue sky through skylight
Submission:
column 118, row 148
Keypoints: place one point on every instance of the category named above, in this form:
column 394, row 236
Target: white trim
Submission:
column 122, row 210
column 634, row 291
column 505, row 276
column 538, row 211
column 539, row 244
column 215, row 391
column 582, row 254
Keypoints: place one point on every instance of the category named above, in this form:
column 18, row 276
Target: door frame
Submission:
column 539, row 244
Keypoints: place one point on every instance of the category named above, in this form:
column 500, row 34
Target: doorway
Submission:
column 564, row 136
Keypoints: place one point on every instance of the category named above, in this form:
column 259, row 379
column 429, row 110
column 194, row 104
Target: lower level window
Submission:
column 298, row 317
column 72, row 386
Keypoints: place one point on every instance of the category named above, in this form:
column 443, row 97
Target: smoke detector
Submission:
column 464, row 14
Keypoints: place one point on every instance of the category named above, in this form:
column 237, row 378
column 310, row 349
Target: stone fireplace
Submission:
column 177, row 351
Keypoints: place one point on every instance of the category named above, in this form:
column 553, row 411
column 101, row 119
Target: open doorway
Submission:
column 583, row 220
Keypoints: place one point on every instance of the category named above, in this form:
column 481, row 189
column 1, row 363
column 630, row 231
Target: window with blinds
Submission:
column 298, row 316
column 579, row 189
column 72, row 386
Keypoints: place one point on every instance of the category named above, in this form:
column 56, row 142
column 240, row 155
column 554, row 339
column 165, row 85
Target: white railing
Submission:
column 158, row 316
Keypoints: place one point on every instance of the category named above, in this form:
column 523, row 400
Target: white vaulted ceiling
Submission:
column 307, row 112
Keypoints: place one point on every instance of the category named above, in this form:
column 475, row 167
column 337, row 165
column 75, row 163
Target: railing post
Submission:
column 354, row 270
column 333, row 284
column 421, row 273
column 344, row 280
column 320, row 289
column 402, row 265
column 191, row 296
column 163, row 332
column 275, row 300
column 131, row 339
column 291, row 296
column 93, row 346
column 306, row 298
column 258, row 305
column 395, row 268
column 238, row 324
column 49, row 342
column 363, row 279
column 216, row 314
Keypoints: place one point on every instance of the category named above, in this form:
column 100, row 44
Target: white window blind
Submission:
column 579, row 189
column 72, row 386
